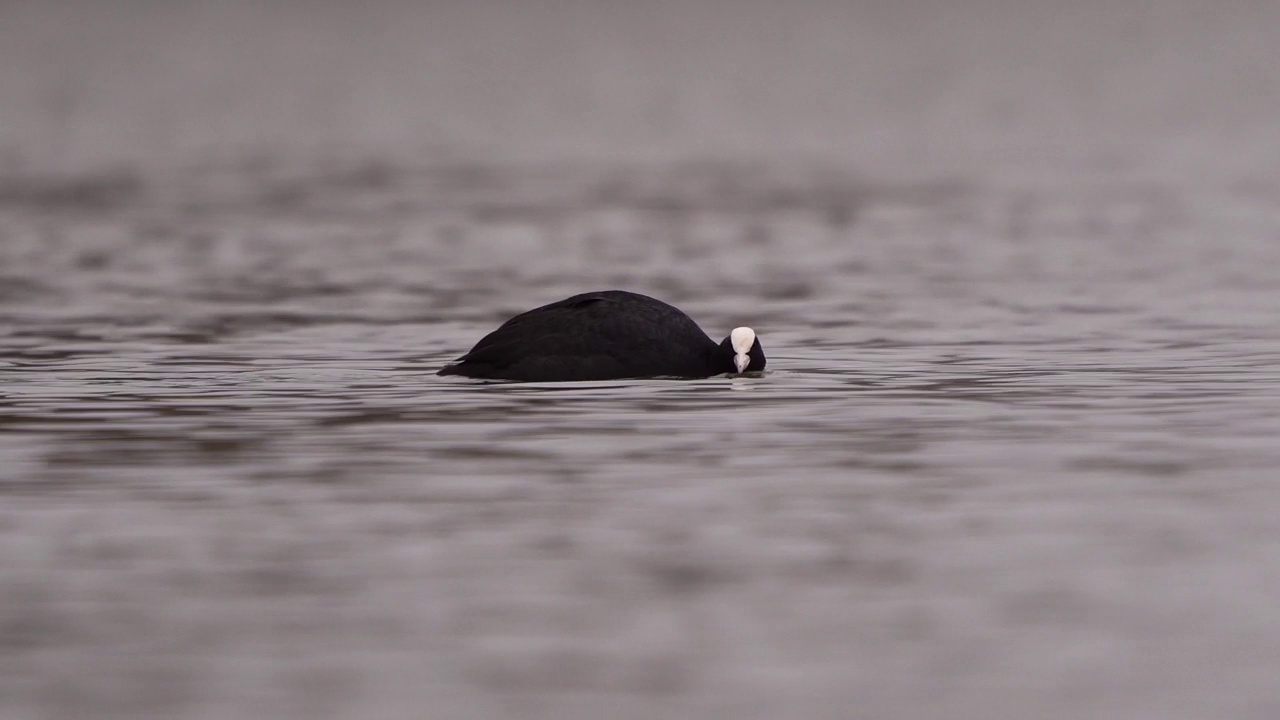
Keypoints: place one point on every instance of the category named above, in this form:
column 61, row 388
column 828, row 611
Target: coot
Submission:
column 607, row 335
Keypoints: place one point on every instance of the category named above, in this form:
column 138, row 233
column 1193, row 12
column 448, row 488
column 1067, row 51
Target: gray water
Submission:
column 1014, row 266
column 1014, row 452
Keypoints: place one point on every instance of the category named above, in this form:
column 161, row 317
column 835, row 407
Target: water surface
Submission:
column 1014, row 454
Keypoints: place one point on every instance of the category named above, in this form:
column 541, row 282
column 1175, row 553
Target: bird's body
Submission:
column 605, row 335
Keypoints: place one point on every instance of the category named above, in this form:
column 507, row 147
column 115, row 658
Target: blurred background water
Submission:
column 1014, row 266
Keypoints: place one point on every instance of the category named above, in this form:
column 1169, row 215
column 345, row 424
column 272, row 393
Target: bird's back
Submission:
column 592, row 336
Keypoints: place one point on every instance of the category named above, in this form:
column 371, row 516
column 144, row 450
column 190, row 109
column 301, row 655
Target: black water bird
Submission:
column 607, row 335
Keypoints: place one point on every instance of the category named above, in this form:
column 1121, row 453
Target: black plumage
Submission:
column 605, row 336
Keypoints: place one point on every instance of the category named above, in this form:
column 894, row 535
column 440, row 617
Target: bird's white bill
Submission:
column 741, row 362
